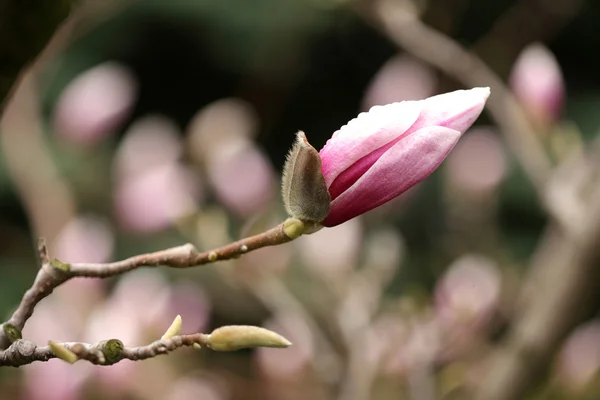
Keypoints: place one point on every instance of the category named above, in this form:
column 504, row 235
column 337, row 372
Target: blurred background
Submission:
column 153, row 123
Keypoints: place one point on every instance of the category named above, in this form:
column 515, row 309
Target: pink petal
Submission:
column 405, row 164
column 455, row 110
column 365, row 134
column 357, row 146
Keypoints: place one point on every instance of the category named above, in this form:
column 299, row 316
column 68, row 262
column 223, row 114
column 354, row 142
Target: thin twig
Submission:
column 54, row 272
column 107, row 352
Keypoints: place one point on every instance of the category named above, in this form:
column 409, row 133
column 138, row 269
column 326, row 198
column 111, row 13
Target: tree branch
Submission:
column 53, row 272
column 109, row 352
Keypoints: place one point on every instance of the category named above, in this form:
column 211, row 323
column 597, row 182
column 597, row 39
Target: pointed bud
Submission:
column 62, row 352
column 174, row 329
column 384, row 152
column 305, row 194
column 236, row 337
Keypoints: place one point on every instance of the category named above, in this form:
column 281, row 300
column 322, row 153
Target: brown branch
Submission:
column 185, row 256
column 109, row 352
column 54, row 272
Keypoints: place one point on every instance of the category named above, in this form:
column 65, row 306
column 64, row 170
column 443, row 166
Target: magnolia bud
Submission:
column 305, row 194
column 62, row 352
column 236, row 337
column 174, row 329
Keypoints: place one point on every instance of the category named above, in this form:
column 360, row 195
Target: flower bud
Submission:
column 305, row 194
column 62, row 352
column 236, row 337
column 174, row 329
column 384, row 152
column 537, row 82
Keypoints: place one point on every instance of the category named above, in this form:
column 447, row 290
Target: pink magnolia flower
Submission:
column 537, row 81
column 382, row 153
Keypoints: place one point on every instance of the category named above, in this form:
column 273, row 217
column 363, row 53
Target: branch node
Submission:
column 62, row 266
column 112, row 350
column 12, row 332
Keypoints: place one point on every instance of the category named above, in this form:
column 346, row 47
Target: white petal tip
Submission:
column 483, row 91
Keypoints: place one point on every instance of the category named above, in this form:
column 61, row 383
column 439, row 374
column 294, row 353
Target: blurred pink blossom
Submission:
column 332, row 253
column 468, row 293
column 537, row 81
column 95, row 103
column 85, row 239
column 55, row 380
column 478, row 162
column 151, row 141
column 242, row 178
column 239, row 172
column 155, row 199
column 400, row 78
column 225, row 120
column 382, row 153
column 578, row 361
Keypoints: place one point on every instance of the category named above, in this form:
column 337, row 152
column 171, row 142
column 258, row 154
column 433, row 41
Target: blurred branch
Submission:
column 25, row 29
column 525, row 22
column 53, row 272
column 401, row 24
column 556, row 295
column 109, row 352
column 30, row 164
column 355, row 319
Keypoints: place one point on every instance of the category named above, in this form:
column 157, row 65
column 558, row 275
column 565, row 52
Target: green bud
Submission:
column 112, row 350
